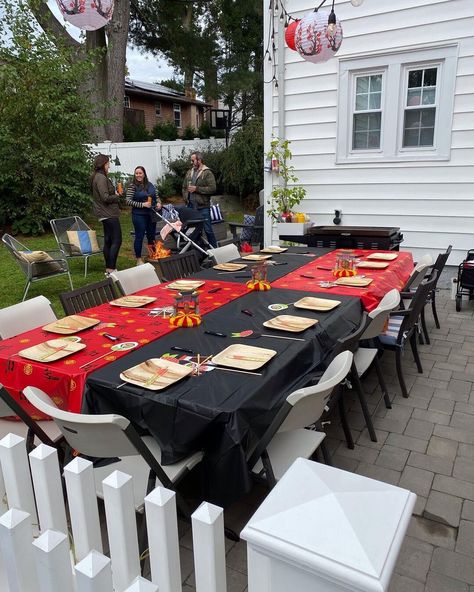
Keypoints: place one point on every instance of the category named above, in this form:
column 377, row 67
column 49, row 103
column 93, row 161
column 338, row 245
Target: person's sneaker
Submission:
column 140, row 262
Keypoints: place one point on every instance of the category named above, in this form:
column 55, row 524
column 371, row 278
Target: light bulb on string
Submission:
column 332, row 24
column 356, row 2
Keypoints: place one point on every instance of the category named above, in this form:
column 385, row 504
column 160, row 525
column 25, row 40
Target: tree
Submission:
column 104, row 85
column 44, row 164
column 175, row 83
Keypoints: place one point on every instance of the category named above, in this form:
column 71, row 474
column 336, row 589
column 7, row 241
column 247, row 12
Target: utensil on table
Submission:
column 250, row 334
column 181, row 349
column 124, row 346
column 215, row 333
column 214, row 290
column 238, row 371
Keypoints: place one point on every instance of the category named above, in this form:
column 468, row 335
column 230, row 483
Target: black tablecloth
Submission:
column 222, row 412
column 285, row 263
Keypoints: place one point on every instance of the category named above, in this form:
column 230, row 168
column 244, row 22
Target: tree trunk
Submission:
column 95, row 87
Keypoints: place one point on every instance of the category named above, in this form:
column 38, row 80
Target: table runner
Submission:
column 394, row 276
column 64, row 379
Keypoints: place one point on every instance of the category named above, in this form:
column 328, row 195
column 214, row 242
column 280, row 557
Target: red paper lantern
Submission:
column 314, row 40
column 87, row 14
column 290, row 34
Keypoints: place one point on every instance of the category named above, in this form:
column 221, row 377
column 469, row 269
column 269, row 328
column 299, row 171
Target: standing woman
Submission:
column 141, row 195
column 106, row 207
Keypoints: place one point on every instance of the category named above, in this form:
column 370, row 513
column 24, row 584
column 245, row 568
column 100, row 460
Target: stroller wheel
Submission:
column 458, row 303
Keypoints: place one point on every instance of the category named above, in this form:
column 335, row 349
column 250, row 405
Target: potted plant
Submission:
column 286, row 195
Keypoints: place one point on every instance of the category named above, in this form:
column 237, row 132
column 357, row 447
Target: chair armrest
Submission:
column 237, row 225
column 400, row 313
column 407, row 294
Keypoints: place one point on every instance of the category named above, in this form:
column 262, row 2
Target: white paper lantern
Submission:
column 313, row 41
column 87, row 14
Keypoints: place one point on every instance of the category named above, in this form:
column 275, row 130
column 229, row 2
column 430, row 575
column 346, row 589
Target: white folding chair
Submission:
column 287, row 439
column 224, row 254
column 25, row 316
column 136, row 278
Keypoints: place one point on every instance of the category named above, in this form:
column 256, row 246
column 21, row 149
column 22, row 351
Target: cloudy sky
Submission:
column 143, row 67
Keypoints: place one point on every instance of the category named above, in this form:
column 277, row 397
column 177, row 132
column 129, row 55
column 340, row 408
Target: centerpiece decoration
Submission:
column 186, row 310
column 345, row 265
column 259, row 281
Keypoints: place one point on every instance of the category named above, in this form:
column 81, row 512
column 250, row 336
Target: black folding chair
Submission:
column 79, row 300
column 179, row 265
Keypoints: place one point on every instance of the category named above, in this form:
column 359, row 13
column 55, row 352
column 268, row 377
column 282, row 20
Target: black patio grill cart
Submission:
column 465, row 281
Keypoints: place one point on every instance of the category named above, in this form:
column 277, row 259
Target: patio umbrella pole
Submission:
column 195, row 245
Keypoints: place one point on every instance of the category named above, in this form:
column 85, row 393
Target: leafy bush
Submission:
column 189, row 133
column 204, row 130
column 44, row 163
column 167, row 186
column 135, row 133
column 166, row 131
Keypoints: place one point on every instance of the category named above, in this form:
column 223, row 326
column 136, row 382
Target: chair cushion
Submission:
column 246, row 233
column 389, row 336
column 83, row 242
column 216, row 214
column 48, row 265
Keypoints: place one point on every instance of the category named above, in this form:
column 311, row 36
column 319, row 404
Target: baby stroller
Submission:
column 465, row 281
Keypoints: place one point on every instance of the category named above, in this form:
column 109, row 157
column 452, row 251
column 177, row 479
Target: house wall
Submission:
column 188, row 112
column 431, row 201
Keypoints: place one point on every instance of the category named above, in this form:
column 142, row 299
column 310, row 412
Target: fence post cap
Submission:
column 92, row 564
column 13, row 517
column 11, row 440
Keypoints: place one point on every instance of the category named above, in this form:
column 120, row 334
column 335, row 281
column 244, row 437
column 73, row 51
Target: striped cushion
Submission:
column 389, row 336
column 216, row 214
column 83, row 242
column 246, row 234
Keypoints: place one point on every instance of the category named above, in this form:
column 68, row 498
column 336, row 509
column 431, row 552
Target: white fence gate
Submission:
column 154, row 156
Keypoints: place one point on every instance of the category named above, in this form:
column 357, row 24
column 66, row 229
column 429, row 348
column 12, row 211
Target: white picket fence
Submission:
column 154, row 156
column 38, row 554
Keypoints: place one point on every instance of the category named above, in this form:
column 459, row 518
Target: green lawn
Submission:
column 12, row 280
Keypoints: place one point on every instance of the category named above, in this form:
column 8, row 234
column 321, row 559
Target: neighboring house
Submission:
column 384, row 131
column 149, row 104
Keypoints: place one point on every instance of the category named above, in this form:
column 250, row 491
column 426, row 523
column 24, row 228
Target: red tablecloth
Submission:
column 64, row 379
column 394, row 276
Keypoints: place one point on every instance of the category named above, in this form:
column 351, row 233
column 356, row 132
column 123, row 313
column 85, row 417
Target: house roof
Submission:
column 155, row 90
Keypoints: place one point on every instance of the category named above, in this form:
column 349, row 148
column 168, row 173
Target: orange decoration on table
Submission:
column 344, row 273
column 258, row 285
column 185, row 320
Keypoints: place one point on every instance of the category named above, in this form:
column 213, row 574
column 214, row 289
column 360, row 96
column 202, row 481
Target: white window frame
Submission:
column 177, row 109
column 354, row 77
column 395, row 66
column 126, row 102
column 157, row 109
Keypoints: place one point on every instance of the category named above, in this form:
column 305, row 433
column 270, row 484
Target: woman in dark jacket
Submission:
column 106, row 207
column 141, row 195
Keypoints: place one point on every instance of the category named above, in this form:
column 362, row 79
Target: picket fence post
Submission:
column 83, row 508
column 142, row 585
column 3, row 493
column 48, row 488
column 94, row 573
column 163, row 541
column 53, row 562
column 16, row 535
column 209, row 548
column 16, row 472
column 122, row 529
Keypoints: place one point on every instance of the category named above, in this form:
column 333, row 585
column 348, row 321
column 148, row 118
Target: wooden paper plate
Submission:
column 383, row 256
column 185, row 285
column 230, row 266
column 71, row 324
column 354, row 281
column 243, row 357
column 256, row 257
column 51, row 350
column 132, row 301
column 274, row 249
column 319, row 304
column 290, row 323
column 155, row 374
column 373, row 264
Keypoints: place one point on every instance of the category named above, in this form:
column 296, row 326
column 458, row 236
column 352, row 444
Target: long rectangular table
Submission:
column 222, row 412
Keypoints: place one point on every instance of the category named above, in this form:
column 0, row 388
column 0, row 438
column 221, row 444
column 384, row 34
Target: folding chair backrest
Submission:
column 79, row 300
column 25, row 316
column 417, row 303
column 257, row 231
column 179, row 265
column 351, row 342
column 441, row 261
column 15, row 247
column 94, row 435
column 308, row 403
column 224, row 254
column 60, row 227
column 379, row 315
column 136, row 278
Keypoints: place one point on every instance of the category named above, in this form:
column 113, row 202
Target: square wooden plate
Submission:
column 319, row 304
column 243, row 357
column 274, row 249
column 155, row 374
column 373, row 264
column 256, row 257
column 290, row 323
column 355, row 281
column 132, row 301
column 383, row 256
column 185, row 285
column 230, row 266
column 71, row 324
column 51, row 350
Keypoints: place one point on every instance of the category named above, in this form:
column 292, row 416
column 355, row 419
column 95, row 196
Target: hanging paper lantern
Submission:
column 314, row 40
column 87, row 14
column 290, row 34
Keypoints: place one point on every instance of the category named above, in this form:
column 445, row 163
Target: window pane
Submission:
column 376, row 83
column 427, row 136
column 362, row 84
column 413, row 118
column 374, row 140
column 374, row 100
column 430, row 77
column 414, row 97
column 415, row 78
column 360, row 141
column 419, row 127
column 428, row 117
column 362, row 102
column 374, row 122
column 410, row 138
column 429, row 96
column 361, row 123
